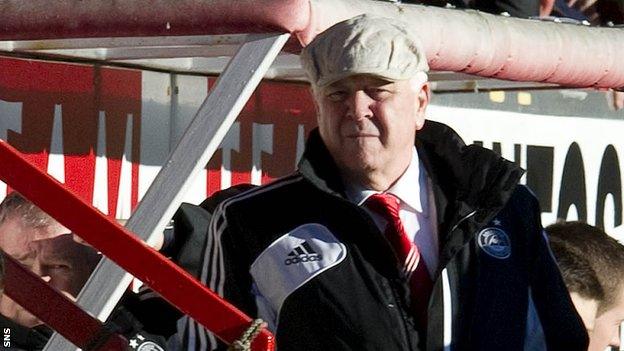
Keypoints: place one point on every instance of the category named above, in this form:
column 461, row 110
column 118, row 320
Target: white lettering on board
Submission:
column 124, row 200
column 574, row 164
column 56, row 157
column 229, row 143
column 11, row 113
column 100, row 183
column 262, row 141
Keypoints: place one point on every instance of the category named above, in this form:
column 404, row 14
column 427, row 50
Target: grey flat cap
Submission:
column 365, row 44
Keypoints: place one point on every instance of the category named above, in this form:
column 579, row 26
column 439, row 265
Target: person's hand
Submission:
column 615, row 99
column 618, row 100
column 546, row 7
column 157, row 241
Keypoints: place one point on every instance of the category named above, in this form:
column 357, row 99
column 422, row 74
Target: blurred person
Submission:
column 615, row 99
column 611, row 11
column 605, row 256
column 594, row 12
column 46, row 247
column 581, row 280
column 513, row 8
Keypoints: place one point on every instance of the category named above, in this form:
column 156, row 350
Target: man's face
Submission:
column 50, row 252
column 606, row 331
column 369, row 124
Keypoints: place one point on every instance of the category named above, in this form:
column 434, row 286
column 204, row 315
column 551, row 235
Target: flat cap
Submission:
column 365, row 44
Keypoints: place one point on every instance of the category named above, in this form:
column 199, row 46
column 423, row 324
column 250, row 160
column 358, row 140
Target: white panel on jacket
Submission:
column 292, row 260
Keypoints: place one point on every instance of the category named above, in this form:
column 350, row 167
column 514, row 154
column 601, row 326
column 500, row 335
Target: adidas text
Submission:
column 303, row 258
column 302, row 253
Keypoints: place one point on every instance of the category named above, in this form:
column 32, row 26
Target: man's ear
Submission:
column 424, row 95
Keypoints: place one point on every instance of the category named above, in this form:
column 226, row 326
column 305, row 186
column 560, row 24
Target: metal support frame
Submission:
column 125, row 42
column 209, row 54
column 201, row 139
column 114, row 241
column 132, row 48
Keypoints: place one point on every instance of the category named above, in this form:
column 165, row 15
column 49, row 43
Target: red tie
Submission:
column 414, row 269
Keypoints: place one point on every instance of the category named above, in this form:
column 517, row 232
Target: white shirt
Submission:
column 417, row 208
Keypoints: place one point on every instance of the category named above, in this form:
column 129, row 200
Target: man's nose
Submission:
column 615, row 341
column 359, row 106
column 41, row 271
column 38, row 268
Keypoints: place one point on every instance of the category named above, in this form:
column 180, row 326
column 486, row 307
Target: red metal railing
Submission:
column 118, row 244
column 55, row 309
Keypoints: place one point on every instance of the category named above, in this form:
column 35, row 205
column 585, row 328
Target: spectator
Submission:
column 606, row 257
column 595, row 12
column 46, row 247
column 392, row 234
column 51, row 251
column 581, row 281
column 515, row 8
column 615, row 99
column 611, row 11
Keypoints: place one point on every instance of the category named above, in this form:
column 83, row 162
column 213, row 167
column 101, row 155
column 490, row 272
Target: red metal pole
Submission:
column 115, row 242
column 53, row 308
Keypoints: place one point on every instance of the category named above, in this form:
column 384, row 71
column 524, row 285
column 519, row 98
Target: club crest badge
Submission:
column 494, row 242
column 149, row 346
column 140, row 343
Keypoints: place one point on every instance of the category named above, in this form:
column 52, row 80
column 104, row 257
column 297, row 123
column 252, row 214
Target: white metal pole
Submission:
column 202, row 137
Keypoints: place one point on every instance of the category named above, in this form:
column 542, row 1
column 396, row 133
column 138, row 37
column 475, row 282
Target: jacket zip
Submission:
column 402, row 312
column 462, row 219
column 447, row 305
column 447, row 310
column 398, row 302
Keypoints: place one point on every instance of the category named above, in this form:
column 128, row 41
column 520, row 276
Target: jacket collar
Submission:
column 318, row 167
column 407, row 188
column 469, row 182
column 475, row 177
column 465, row 178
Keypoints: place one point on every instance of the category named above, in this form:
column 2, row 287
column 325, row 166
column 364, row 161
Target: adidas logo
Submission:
column 302, row 253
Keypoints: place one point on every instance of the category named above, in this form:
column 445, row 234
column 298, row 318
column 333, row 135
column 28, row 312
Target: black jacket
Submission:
column 299, row 248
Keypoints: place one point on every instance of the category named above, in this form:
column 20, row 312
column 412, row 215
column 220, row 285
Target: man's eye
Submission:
column 26, row 263
column 336, row 96
column 379, row 93
column 59, row 267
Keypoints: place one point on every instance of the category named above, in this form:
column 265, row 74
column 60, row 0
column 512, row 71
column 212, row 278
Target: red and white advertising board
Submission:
column 106, row 132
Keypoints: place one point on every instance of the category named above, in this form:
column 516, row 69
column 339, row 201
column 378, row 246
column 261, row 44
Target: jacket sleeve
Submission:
column 187, row 247
column 562, row 327
column 221, row 267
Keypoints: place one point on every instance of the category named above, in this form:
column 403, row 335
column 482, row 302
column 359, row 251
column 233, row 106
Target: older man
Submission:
column 51, row 251
column 392, row 234
column 46, row 247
